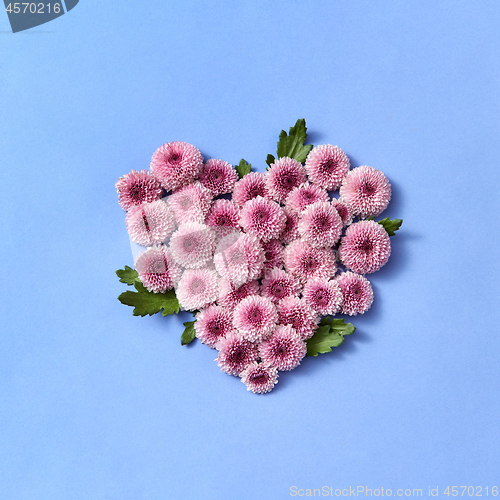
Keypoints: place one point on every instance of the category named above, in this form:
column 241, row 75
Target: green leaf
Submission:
column 145, row 302
column 330, row 333
column 189, row 333
column 292, row 145
column 270, row 160
column 370, row 218
column 127, row 275
column 243, row 168
column 391, row 226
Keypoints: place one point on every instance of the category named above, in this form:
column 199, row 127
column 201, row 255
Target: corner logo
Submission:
column 26, row 15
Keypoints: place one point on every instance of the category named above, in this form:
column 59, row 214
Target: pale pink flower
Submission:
column 255, row 317
column 192, row 245
column 197, row 288
column 213, row 324
column 249, row 187
column 326, row 166
column 366, row 190
column 176, row 164
column 284, row 175
column 262, row 218
column 284, row 349
column 230, row 295
column 365, row 248
column 259, row 378
column 235, row 353
column 278, row 284
column 218, row 176
column 324, row 296
column 299, row 314
column 304, row 195
column 343, row 210
column 357, row 292
column 223, row 217
column 191, row 203
column 150, row 223
column 136, row 188
column 273, row 250
column 320, row 225
column 157, row 269
column 291, row 231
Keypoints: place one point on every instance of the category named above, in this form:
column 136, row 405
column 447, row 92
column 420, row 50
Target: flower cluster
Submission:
column 259, row 258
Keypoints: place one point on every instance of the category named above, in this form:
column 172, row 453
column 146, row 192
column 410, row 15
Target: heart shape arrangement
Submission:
column 264, row 260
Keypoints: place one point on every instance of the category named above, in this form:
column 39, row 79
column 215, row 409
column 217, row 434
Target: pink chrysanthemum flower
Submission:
column 284, row 175
column 273, row 251
column 291, row 231
column 136, row 188
column 150, row 223
column 365, row 248
column 223, row 217
column 305, row 262
column 284, row 349
column 259, row 378
column 326, row 166
column 366, row 190
column 235, row 353
column 176, row 164
column 191, row 203
column 278, row 284
column 218, row 176
column 213, row 324
column 320, row 225
column 239, row 258
column 230, row 295
column 255, row 317
column 192, row 245
column 249, row 187
column 357, row 292
column 304, row 195
column 157, row 269
column 343, row 210
column 324, row 296
column 263, row 218
column 298, row 313
column 197, row 288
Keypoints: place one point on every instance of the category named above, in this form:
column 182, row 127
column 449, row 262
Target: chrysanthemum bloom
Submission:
column 324, row 296
column 365, row 248
column 273, row 251
column 223, row 217
column 197, row 288
column 218, row 176
column 366, row 190
column 284, row 349
column 326, row 166
column 357, row 292
column 278, row 284
column 259, row 378
column 239, row 258
column 157, row 269
column 235, row 353
column 343, row 210
column 191, row 203
column 230, row 295
column 263, row 218
column 192, row 245
column 249, row 187
column 284, row 175
column 291, row 231
column 150, row 223
column 320, row 225
column 136, row 188
column 299, row 314
column 304, row 195
column 213, row 324
column 176, row 164
column 255, row 317
column 305, row 262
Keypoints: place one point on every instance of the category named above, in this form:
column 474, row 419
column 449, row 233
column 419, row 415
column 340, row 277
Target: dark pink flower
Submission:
column 176, row 164
column 249, row 187
column 320, row 225
column 343, row 210
column 197, row 288
column 326, row 166
column 278, row 284
column 150, row 223
column 262, row 218
column 191, row 203
column 259, row 378
column 273, row 250
column 366, row 190
column 235, row 353
column 284, row 175
column 291, row 231
column 357, row 292
column 284, row 349
column 324, row 296
column 230, row 295
column 218, row 176
column 304, row 195
column 223, row 217
column 365, row 248
column 255, row 317
column 192, row 245
column 213, row 324
column 299, row 314
column 136, row 188
column 157, row 269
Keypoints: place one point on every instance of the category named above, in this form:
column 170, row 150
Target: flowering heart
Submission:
column 264, row 260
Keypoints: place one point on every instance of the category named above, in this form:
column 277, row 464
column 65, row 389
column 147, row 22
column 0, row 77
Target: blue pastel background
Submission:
column 98, row 404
